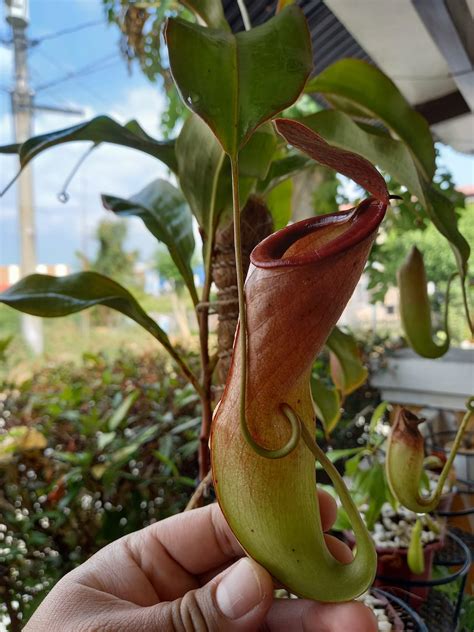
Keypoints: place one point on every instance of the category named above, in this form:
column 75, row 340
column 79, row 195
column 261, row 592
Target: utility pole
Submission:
column 17, row 16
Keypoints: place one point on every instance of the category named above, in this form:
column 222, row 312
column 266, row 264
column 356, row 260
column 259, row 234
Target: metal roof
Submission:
column 423, row 45
column 331, row 40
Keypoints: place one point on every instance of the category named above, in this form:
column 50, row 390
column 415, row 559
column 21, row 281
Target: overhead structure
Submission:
column 425, row 46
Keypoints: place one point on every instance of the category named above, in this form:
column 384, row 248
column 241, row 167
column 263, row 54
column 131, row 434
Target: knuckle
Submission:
column 189, row 614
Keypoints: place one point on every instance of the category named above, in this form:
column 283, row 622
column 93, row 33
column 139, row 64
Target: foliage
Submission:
column 140, row 43
column 121, row 453
column 235, row 83
column 111, row 258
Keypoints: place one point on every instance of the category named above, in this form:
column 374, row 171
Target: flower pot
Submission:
column 393, row 570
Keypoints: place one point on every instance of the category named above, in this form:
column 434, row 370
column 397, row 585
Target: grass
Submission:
column 67, row 339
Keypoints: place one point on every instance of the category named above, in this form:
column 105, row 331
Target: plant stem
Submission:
column 466, row 305
column 240, row 285
column 244, row 14
column 455, row 447
column 195, row 500
column 207, row 367
column 185, row 369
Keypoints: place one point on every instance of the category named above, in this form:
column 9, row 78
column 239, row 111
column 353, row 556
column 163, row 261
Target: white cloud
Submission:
column 6, row 62
column 109, row 169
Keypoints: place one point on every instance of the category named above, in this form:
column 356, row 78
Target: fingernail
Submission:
column 239, row 591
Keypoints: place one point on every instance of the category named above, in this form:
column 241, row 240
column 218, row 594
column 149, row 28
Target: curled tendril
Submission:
column 286, row 449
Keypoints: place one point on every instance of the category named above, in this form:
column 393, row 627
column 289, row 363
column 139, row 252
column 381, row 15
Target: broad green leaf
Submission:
column 203, row 172
column 210, row 12
column 347, row 370
column 236, row 82
column 279, row 203
column 122, row 411
column 391, row 155
column 281, row 169
column 360, row 89
column 443, row 216
column 50, row 297
column 255, row 158
column 327, row 403
column 165, row 213
column 100, row 129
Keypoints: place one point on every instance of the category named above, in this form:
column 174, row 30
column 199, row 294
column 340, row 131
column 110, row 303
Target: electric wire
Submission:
column 67, row 31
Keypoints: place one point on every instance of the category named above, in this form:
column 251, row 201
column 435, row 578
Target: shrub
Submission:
column 88, row 454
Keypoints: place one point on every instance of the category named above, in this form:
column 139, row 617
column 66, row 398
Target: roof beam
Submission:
column 447, row 107
column 438, row 20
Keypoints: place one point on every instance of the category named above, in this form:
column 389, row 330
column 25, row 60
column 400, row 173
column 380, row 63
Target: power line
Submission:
column 66, row 31
column 96, row 66
column 85, row 87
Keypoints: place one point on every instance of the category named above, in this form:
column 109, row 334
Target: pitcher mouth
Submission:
column 293, row 246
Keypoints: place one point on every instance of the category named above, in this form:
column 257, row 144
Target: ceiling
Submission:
column 425, row 46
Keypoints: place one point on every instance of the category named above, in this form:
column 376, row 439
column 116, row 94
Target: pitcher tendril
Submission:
column 293, row 441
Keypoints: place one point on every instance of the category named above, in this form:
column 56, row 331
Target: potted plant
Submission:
column 227, row 158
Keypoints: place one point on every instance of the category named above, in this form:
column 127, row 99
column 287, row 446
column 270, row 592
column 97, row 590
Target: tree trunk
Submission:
column 256, row 225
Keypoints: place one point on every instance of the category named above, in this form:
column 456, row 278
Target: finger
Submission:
column 235, row 601
column 327, row 509
column 197, row 540
column 338, row 549
column 301, row 615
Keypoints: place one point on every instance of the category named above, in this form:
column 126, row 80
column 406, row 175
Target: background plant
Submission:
column 114, row 449
column 402, row 147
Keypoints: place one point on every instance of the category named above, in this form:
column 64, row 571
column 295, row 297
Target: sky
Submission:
column 64, row 229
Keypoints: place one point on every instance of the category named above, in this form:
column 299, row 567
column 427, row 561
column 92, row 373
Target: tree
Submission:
column 111, row 259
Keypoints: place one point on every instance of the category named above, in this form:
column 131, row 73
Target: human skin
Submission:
column 189, row 573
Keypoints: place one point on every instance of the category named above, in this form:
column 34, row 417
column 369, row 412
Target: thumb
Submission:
column 237, row 599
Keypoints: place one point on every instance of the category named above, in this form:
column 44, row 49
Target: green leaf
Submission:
column 327, row 403
column 104, row 439
column 337, row 455
column 347, row 370
column 204, row 170
column 122, row 410
column 100, row 129
column 210, row 12
column 236, row 82
column 376, row 495
column 279, row 203
column 166, row 460
column 360, row 89
column 51, row 297
column 443, row 216
column 203, row 173
column 255, row 158
column 391, row 155
column 377, row 415
column 282, row 169
column 165, row 213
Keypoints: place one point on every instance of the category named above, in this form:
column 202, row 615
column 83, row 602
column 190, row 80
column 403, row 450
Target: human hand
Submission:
column 188, row 573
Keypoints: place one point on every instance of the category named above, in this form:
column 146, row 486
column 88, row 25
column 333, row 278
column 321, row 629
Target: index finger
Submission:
column 201, row 540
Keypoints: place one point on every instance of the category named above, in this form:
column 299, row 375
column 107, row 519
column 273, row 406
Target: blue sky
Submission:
column 64, row 229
